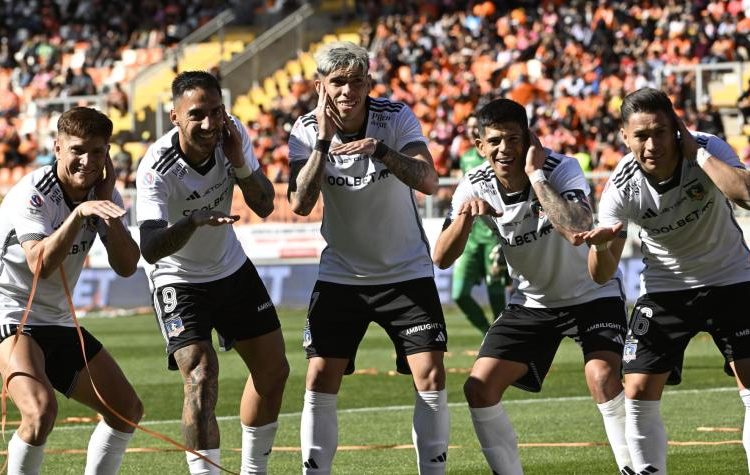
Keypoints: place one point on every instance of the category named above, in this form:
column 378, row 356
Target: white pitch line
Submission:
column 411, row 407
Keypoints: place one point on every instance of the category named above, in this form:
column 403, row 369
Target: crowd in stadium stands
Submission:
column 62, row 48
column 569, row 62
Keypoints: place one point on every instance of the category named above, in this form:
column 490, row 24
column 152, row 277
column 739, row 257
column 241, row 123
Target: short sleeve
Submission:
column 464, row 192
column 612, row 207
column 300, row 146
column 152, row 193
column 568, row 177
column 33, row 216
column 247, row 147
column 408, row 130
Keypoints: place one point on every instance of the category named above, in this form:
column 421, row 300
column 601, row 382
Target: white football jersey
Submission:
column 547, row 271
column 370, row 223
column 169, row 189
column 689, row 234
column 32, row 210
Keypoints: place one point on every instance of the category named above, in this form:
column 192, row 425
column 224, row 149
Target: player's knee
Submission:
column 271, row 383
column 477, row 394
column 134, row 412
column 601, row 377
column 38, row 418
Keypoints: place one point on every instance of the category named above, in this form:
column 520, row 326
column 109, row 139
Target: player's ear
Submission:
column 623, row 135
column 173, row 117
column 479, row 144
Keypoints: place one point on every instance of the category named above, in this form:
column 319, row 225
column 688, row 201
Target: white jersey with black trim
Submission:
column 169, row 189
column 371, row 225
column 31, row 211
column 547, row 271
column 689, row 235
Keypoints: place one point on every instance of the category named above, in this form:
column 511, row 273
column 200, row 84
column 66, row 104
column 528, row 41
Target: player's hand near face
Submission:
column 687, row 142
column 231, row 142
column 535, row 156
column 327, row 115
column 203, row 217
column 106, row 185
column 478, row 207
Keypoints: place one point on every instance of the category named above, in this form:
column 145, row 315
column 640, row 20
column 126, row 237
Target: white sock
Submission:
column 318, row 432
column 106, row 448
column 430, row 431
column 256, row 447
column 497, row 438
column 613, row 414
column 745, row 395
column 24, row 459
column 198, row 466
column 646, row 436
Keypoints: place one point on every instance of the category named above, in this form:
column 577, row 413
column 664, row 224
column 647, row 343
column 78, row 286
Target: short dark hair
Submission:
column 189, row 80
column 84, row 122
column 649, row 100
column 502, row 110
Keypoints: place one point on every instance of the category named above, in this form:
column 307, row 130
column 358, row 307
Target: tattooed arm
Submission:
column 305, row 180
column 570, row 213
column 258, row 192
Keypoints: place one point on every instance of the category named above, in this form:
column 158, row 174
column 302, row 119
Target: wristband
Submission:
column 536, row 176
column 602, row 246
column 322, row 146
column 242, row 172
column 701, row 156
column 380, row 150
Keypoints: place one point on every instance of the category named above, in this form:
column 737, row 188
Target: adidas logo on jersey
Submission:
column 440, row 337
column 193, row 196
column 648, row 214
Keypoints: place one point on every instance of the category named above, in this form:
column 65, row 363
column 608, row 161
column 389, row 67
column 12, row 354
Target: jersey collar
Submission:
column 665, row 186
column 514, row 198
column 204, row 168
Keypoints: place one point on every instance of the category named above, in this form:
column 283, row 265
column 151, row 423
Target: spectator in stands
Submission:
column 118, row 99
column 366, row 157
column 49, row 221
column 79, row 83
column 185, row 184
column 123, row 165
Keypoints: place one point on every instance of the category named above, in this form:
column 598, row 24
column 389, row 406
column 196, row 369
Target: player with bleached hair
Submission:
column 366, row 157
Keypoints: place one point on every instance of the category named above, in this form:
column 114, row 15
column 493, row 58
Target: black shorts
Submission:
column 532, row 335
column 237, row 306
column 663, row 323
column 409, row 312
column 63, row 358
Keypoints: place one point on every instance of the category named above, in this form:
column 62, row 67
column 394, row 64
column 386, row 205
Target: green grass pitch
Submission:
column 375, row 410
